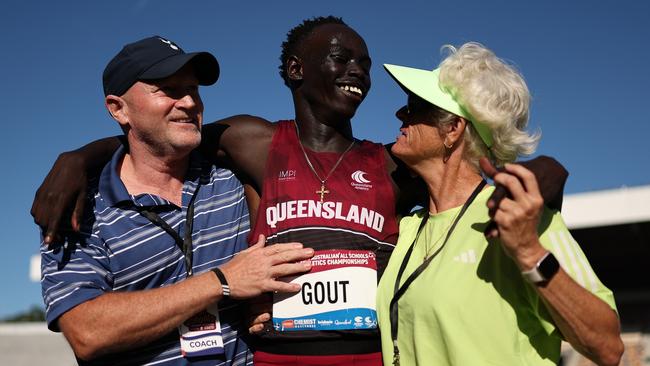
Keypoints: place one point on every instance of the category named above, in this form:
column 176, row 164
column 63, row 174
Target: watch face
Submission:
column 549, row 266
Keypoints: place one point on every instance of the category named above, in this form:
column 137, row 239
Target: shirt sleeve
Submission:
column 72, row 274
column 557, row 239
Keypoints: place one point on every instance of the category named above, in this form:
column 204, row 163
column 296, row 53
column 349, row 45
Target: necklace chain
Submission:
column 428, row 248
column 322, row 191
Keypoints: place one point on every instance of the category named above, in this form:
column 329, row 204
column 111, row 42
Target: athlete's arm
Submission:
column 59, row 201
column 118, row 321
column 240, row 142
column 411, row 191
column 243, row 141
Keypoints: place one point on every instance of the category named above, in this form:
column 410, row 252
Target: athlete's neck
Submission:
column 322, row 132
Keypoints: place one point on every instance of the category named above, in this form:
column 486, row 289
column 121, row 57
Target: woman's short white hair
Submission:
column 494, row 93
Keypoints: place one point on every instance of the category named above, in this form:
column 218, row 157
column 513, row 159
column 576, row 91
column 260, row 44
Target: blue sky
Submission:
column 586, row 64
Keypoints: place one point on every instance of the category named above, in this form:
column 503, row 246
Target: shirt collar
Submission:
column 114, row 192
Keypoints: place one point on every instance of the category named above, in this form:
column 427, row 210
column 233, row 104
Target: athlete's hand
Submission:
column 550, row 178
column 59, row 201
column 257, row 324
column 255, row 270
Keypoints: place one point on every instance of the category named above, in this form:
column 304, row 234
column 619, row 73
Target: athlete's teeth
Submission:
column 352, row 89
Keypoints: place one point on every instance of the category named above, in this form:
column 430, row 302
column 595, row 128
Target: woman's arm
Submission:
column 586, row 321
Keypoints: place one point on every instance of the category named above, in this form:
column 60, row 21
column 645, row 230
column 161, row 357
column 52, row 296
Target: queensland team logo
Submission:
column 360, row 181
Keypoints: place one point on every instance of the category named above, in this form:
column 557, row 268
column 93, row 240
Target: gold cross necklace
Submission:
column 323, row 191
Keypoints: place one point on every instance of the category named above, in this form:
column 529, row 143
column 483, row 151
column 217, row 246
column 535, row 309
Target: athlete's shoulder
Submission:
column 246, row 123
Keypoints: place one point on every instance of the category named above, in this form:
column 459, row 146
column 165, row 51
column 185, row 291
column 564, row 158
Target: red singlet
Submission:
column 357, row 213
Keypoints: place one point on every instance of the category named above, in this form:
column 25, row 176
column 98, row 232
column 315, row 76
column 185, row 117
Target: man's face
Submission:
column 336, row 70
column 166, row 115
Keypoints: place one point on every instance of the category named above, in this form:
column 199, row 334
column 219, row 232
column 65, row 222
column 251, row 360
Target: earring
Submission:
column 448, row 147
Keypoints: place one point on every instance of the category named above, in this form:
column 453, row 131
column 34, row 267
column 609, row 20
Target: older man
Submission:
column 152, row 276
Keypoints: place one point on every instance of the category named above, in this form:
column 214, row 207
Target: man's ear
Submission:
column 118, row 109
column 294, row 68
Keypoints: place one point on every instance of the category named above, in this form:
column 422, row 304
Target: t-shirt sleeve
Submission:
column 71, row 275
column 557, row 239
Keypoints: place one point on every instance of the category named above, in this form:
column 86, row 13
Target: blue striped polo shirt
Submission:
column 121, row 250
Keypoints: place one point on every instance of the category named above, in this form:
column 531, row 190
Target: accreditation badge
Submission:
column 338, row 293
column 201, row 334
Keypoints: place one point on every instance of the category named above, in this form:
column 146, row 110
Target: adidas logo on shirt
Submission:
column 468, row 256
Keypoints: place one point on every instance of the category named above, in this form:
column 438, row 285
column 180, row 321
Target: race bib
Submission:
column 338, row 293
column 201, row 334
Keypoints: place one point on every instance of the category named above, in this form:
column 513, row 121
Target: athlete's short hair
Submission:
column 297, row 35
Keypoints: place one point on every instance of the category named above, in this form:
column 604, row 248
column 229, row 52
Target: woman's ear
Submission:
column 455, row 131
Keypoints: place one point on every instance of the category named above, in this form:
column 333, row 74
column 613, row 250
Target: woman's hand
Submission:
column 517, row 215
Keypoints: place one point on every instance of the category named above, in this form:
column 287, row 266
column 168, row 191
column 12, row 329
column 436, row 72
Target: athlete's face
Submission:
column 335, row 70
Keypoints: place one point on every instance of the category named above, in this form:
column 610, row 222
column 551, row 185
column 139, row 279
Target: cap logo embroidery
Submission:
column 170, row 43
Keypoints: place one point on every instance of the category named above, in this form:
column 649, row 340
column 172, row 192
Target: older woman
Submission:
column 451, row 295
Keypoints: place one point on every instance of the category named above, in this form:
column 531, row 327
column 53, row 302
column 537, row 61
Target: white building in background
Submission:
column 621, row 206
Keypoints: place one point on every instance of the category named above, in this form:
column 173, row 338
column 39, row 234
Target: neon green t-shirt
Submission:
column 471, row 306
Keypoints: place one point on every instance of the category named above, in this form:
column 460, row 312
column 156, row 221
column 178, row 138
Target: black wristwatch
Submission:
column 543, row 271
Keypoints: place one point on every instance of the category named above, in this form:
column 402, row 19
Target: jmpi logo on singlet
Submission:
column 285, row 175
column 328, row 210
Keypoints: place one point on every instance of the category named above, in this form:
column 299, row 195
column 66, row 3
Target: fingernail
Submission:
column 307, row 264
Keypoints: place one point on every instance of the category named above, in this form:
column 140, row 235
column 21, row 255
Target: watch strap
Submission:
column 543, row 270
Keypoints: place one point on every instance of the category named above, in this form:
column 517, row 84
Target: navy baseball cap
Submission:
column 155, row 58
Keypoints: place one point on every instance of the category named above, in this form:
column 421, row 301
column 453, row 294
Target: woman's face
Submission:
column 420, row 138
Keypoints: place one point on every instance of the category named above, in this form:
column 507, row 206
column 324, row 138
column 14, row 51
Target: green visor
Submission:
column 425, row 84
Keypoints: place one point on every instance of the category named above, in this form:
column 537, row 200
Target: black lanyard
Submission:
column 399, row 291
column 184, row 244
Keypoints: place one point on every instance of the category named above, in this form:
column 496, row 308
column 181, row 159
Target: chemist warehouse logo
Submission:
column 359, row 181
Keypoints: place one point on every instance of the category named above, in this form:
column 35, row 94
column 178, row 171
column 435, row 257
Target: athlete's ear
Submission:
column 294, row 68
